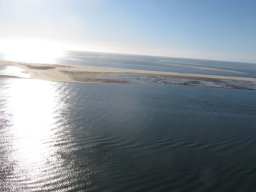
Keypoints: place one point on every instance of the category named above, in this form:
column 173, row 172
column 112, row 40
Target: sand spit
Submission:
column 71, row 73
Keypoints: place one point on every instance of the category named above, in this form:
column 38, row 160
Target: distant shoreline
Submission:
column 72, row 73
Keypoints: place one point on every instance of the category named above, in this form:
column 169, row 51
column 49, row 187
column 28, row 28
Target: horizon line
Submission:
column 164, row 56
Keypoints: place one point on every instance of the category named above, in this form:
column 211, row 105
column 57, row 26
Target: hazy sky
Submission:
column 213, row 29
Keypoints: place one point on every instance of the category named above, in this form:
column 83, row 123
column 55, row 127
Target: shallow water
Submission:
column 13, row 71
column 159, row 64
column 125, row 137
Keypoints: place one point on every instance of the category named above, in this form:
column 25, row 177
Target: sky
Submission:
column 207, row 29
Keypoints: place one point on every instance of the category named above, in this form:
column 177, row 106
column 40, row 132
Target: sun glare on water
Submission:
column 31, row 50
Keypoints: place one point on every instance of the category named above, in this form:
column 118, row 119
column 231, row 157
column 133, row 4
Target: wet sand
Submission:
column 71, row 73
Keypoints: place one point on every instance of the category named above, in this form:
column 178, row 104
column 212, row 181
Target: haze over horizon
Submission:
column 218, row 30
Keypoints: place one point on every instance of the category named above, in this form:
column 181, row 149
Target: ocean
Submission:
column 137, row 136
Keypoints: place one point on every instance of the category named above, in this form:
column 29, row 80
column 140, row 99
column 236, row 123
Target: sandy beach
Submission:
column 71, row 73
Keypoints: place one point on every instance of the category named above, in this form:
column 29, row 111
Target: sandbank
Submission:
column 73, row 73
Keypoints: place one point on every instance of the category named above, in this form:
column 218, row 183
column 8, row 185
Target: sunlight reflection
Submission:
column 14, row 71
column 34, row 108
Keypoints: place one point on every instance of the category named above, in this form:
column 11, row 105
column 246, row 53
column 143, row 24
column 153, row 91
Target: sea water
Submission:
column 138, row 136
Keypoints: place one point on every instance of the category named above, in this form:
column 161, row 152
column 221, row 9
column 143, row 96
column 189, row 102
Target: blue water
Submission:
column 158, row 63
column 138, row 136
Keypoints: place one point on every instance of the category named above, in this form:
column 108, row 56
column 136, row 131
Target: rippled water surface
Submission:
column 125, row 137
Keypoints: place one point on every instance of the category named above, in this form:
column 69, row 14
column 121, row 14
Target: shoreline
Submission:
column 72, row 73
